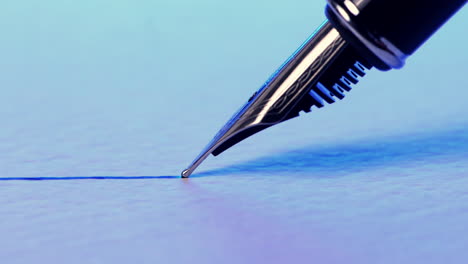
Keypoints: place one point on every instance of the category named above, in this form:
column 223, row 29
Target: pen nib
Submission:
column 293, row 88
column 242, row 125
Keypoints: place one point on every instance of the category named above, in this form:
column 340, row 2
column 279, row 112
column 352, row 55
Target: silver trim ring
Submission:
column 347, row 11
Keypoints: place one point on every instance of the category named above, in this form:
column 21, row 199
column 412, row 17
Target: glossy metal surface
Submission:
column 273, row 103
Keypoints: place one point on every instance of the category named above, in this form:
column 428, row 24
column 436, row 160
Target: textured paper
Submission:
column 107, row 101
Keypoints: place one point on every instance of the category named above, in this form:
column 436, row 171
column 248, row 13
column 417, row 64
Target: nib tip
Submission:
column 186, row 174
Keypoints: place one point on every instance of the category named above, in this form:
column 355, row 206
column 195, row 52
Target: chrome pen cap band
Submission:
column 386, row 32
column 344, row 14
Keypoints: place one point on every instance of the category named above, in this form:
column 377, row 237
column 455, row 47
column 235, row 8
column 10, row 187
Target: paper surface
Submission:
column 117, row 90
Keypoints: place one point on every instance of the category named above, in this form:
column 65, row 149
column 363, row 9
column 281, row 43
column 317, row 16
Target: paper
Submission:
column 108, row 101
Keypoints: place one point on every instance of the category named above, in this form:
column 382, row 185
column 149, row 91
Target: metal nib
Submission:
column 293, row 88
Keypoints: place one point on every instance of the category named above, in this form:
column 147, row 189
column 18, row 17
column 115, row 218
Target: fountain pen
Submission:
column 357, row 35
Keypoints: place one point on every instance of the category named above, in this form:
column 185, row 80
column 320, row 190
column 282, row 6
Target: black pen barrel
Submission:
column 401, row 26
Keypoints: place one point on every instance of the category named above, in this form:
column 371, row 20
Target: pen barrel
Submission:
column 387, row 31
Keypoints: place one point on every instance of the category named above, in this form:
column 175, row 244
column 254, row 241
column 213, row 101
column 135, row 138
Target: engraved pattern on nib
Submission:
column 299, row 88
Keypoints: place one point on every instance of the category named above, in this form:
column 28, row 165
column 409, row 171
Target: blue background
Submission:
column 123, row 89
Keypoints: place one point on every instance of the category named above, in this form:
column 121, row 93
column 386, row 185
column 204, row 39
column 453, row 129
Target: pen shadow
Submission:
column 357, row 156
